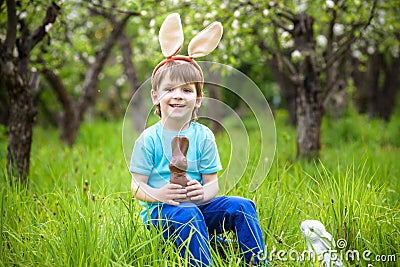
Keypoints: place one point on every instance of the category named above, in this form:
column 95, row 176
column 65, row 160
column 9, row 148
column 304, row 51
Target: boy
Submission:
column 187, row 213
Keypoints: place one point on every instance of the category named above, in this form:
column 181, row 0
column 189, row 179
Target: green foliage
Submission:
column 78, row 34
column 77, row 209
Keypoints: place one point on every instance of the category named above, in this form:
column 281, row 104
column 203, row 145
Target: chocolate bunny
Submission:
column 178, row 164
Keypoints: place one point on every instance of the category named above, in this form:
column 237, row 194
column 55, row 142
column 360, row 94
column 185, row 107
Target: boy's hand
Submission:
column 172, row 194
column 195, row 191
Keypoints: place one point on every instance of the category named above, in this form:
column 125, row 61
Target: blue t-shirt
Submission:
column 152, row 153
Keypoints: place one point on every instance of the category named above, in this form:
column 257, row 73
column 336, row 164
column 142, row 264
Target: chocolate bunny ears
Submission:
column 171, row 41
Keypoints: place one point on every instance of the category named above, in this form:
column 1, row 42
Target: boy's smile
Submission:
column 177, row 101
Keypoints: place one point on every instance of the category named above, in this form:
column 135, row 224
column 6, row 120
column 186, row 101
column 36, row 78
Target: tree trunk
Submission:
column 68, row 115
column 288, row 90
column 138, row 114
column 88, row 98
column 362, row 81
column 377, row 87
column 309, row 108
column 309, row 116
column 4, row 105
column 335, row 100
column 383, row 95
column 22, row 113
column 15, row 74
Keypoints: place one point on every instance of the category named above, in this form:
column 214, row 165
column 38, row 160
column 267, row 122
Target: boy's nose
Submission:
column 177, row 93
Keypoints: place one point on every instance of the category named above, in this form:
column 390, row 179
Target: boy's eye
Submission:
column 169, row 89
column 188, row 90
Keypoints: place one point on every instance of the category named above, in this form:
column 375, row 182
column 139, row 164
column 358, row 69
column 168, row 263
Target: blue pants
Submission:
column 190, row 225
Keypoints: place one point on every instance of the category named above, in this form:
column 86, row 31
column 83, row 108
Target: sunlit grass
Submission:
column 77, row 209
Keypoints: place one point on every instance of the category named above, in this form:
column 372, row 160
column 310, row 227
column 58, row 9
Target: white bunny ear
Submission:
column 206, row 40
column 171, row 35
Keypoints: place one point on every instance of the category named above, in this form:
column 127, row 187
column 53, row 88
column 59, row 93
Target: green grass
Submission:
column 77, row 209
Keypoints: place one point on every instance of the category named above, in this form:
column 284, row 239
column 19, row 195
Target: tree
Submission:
column 307, row 44
column 74, row 111
column 376, row 64
column 15, row 73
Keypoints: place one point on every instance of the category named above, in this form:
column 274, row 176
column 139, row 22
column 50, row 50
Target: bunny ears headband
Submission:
column 171, row 41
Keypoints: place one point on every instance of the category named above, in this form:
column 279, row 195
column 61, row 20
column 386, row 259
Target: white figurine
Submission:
column 320, row 242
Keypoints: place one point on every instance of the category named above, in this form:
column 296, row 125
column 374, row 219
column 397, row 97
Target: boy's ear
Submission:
column 154, row 97
column 198, row 101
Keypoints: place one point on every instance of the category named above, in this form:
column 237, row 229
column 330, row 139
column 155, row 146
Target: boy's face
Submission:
column 177, row 100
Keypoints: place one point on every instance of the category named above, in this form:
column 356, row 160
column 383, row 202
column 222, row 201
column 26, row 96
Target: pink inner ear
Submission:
column 206, row 40
column 171, row 35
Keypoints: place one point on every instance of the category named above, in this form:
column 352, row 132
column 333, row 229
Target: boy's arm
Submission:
column 210, row 186
column 199, row 193
column 167, row 194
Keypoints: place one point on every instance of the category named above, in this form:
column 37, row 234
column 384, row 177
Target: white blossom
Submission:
column 330, row 3
column 338, row 29
column 72, row 15
column 236, row 14
column 381, row 14
column 143, row 12
column 296, row 54
column 209, row 15
column 395, row 51
column 152, row 23
column 120, row 81
column 288, row 44
column 285, row 34
column 381, row 20
column 265, row 12
column 301, row 7
column 357, row 54
column 371, row 50
column 91, row 59
column 48, row 27
column 321, row 40
column 23, row 14
column 197, row 16
column 235, row 24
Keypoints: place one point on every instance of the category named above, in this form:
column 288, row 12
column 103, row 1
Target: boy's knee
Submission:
column 242, row 207
column 186, row 214
column 242, row 204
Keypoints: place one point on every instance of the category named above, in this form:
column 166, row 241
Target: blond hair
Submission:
column 182, row 71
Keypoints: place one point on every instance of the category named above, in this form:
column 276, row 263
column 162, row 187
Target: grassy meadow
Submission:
column 77, row 209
